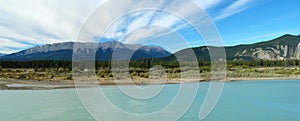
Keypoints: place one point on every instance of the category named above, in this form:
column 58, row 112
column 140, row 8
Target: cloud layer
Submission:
column 24, row 24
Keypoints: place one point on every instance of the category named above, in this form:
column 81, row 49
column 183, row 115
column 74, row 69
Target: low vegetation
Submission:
column 140, row 70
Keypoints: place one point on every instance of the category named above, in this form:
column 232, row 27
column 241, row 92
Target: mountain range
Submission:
column 284, row 47
column 64, row 51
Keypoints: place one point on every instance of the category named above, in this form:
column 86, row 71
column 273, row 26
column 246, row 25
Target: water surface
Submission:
column 274, row 100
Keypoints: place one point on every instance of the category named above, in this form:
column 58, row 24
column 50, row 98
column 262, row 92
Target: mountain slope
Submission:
column 64, row 51
column 284, row 47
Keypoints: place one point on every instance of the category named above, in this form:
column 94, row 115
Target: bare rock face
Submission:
column 297, row 51
column 265, row 55
column 285, row 51
column 282, row 48
column 271, row 52
column 268, row 53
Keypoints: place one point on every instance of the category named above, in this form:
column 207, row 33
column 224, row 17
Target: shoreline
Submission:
column 16, row 84
column 263, row 78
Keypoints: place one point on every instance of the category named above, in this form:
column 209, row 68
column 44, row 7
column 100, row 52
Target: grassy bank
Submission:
column 139, row 74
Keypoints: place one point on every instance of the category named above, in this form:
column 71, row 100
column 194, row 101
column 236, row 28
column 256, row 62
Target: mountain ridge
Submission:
column 280, row 48
column 64, row 51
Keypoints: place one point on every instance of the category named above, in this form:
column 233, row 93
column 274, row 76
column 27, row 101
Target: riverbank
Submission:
column 35, row 79
column 15, row 84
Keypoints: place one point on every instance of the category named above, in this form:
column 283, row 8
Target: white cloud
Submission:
column 237, row 7
column 7, row 48
column 143, row 18
column 207, row 4
column 41, row 21
column 35, row 22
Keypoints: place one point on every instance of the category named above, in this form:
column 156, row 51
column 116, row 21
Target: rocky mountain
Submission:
column 64, row 51
column 284, row 47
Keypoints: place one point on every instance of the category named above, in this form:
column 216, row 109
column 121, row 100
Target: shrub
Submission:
column 144, row 75
column 110, row 75
column 69, row 77
column 22, row 76
column 134, row 74
column 36, row 70
column 102, row 75
column 177, row 70
column 18, row 71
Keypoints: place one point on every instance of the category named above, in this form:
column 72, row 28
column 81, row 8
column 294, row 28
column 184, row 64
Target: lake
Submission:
column 260, row 100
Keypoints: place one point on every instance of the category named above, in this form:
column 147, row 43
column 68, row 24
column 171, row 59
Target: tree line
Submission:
column 145, row 63
column 266, row 63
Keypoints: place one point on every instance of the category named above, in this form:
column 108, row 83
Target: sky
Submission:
column 25, row 24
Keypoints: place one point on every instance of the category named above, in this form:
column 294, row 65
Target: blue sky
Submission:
column 24, row 24
column 264, row 20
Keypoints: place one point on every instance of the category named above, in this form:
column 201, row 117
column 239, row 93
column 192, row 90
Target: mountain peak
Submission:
column 64, row 51
column 288, row 35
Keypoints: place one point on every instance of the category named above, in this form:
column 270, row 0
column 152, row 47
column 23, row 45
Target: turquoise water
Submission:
column 274, row 100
